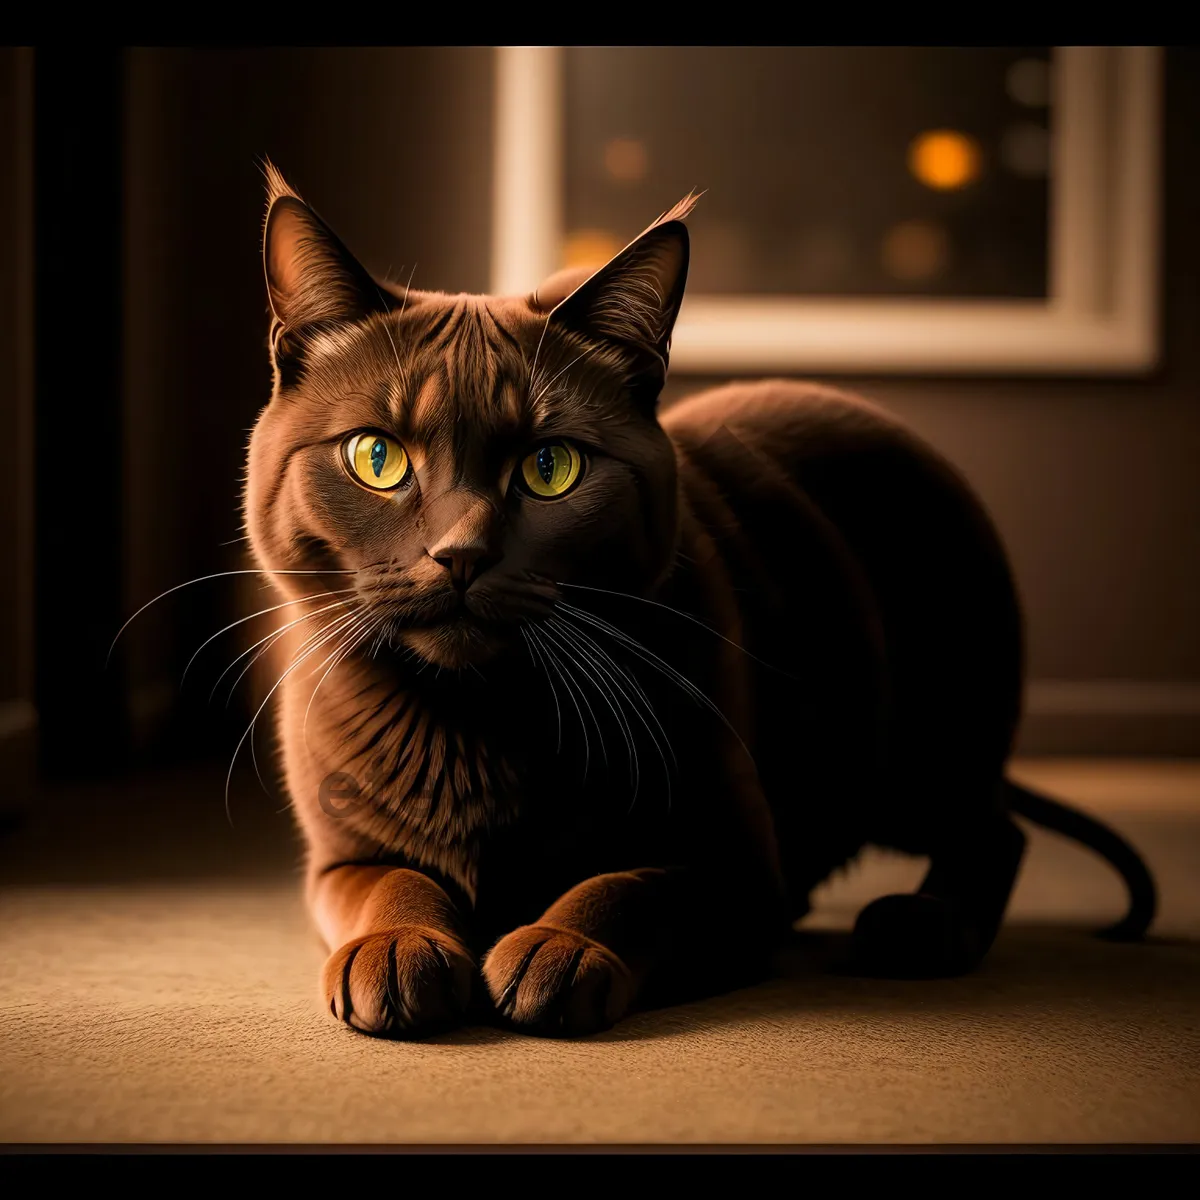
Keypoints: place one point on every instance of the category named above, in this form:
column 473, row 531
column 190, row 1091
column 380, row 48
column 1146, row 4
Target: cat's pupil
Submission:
column 378, row 456
column 545, row 463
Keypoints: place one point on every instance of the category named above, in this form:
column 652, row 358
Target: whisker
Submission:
column 338, row 623
column 333, row 660
column 605, row 678
column 659, row 664
column 588, row 646
column 582, row 354
column 205, row 578
column 253, row 730
column 552, row 659
column 261, row 613
column 403, row 304
column 526, row 633
column 536, row 355
column 572, row 686
column 643, row 651
column 271, row 638
column 552, row 663
column 253, row 749
column 379, row 638
column 608, row 696
column 407, row 288
column 599, row 732
column 686, row 616
column 568, row 625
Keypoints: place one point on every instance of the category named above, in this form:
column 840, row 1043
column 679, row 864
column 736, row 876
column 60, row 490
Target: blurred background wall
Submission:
column 17, row 711
column 154, row 232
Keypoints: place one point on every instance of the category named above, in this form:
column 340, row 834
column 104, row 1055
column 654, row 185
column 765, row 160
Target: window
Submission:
column 972, row 209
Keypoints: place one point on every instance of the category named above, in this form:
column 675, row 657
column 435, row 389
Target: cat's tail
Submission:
column 1053, row 814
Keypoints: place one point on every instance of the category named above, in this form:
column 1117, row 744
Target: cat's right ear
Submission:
column 313, row 281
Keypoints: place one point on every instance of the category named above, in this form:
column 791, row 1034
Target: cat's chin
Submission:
column 453, row 646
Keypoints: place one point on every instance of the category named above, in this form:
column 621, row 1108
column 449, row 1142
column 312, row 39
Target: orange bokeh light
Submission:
column 589, row 248
column 626, row 160
column 945, row 160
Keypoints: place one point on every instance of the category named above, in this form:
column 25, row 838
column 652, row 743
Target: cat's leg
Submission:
column 948, row 925
column 679, row 932
column 400, row 966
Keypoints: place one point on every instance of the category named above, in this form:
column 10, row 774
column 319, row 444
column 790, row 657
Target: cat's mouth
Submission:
column 455, row 629
column 459, row 641
column 451, row 633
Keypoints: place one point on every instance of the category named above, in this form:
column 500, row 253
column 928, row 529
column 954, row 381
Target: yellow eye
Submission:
column 552, row 469
column 376, row 459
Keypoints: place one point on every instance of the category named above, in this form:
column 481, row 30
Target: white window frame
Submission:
column 1102, row 313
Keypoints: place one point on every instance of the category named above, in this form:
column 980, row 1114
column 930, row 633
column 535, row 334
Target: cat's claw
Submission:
column 554, row 982
column 402, row 983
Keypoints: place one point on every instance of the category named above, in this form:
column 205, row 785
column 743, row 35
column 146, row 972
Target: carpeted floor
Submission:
column 158, row 985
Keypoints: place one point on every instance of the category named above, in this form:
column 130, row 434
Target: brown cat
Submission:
column 584, row 699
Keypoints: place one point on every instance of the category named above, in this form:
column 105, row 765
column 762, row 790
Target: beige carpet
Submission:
column 158, row 985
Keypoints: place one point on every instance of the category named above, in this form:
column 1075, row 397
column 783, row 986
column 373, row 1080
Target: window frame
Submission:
column 1101, row 315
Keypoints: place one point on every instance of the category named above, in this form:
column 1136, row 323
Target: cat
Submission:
column 585, row 698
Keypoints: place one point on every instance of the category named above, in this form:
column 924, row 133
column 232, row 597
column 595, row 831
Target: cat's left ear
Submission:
column 312, row 279
column 632, row 302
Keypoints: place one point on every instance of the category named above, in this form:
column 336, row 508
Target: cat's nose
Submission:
column 465, row 563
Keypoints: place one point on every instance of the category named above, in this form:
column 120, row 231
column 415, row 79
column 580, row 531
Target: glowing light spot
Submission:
column 915, row 251
column 1025, row 150
column 1028, row 82
column 626, row 160
column 945, row 160
column 589, row 248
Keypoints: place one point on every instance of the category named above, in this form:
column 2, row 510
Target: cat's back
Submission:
column 879, row 484
column 811, row 483
column 817, row 433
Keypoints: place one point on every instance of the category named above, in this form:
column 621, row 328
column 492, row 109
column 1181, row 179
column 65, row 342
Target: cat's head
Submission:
column 458, row 457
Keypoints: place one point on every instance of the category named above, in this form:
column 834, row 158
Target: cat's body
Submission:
column 603, row 748
column 851, row 744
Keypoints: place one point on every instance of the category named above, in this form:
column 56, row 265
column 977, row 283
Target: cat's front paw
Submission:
column 551, row 981
column 401, row 982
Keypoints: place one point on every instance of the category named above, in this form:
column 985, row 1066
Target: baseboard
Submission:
column 1111, row 717
column 18, row 757
column 1111, row 697
column 1164, row 787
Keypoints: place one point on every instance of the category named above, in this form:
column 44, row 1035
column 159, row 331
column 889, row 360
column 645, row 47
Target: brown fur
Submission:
column 459, row 760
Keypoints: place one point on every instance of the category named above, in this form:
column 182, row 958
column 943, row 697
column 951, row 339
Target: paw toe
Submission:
column 555, row 982
column 400, row 982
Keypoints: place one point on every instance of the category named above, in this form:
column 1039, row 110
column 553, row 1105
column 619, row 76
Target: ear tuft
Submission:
column 276, row 184
column 679, row 211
